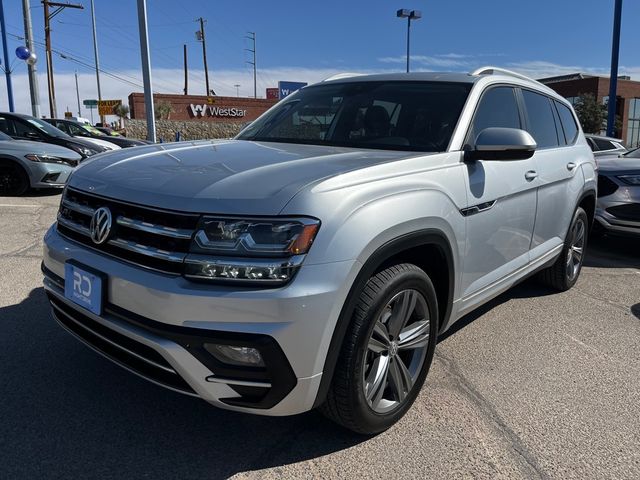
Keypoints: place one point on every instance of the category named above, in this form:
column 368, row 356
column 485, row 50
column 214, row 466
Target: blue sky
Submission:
column 308, row 40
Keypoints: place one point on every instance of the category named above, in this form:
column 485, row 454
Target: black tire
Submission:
column 13, row 179
column 346, row 403
column 557, row 276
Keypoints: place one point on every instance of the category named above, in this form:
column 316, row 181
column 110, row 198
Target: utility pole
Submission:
column 146, row 70
column 47, row 41
column 252, row 36
column 95, row 54
column 186, row 74
column 31, row 68
column 200, row 36
column 613, row 79
column 7, row 65
column 78, row 93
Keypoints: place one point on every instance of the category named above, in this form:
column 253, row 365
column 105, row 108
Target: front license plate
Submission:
column 84, row 286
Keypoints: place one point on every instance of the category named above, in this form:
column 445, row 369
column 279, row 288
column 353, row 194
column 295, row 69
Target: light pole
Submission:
column 613, row 78
column 7, row 66
column 237, row 85
column 146, row 70
column 409, row 15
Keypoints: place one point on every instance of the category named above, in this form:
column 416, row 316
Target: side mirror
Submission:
column 32, row 135
column 497, row 143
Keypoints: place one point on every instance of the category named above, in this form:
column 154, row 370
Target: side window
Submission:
column 62, row 126
column 6, row 126
column 568, row 123
column 498, row 108
column 22, row 129
column 542, row 126
column 73, row 129
column 604, row 144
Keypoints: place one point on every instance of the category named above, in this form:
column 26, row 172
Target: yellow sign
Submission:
column 68, row 114
column 105, row 107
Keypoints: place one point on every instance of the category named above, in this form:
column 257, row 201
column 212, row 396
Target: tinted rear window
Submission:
column 542, row 126
column 568, row 122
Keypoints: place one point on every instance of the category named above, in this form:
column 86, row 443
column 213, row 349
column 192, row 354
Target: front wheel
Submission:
column 387, row 351
column 13, row 179
column 563, row 274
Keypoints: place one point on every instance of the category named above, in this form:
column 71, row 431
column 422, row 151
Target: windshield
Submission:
column 633, row 153
column 92, row 130
column 418, row 116
column 46, row 128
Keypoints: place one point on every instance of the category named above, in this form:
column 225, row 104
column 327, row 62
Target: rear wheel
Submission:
column 563, row 274
column 387, row 351
column 13, row 179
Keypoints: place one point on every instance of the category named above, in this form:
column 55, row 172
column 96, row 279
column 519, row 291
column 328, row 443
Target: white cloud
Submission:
column 541, row 69
column 164, row 81
column 224, row 81
column 427, row 61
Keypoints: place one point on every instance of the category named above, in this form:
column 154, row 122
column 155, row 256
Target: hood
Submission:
column 619, row 164
column 26, row 147
column 100, row 143
column 224, row 176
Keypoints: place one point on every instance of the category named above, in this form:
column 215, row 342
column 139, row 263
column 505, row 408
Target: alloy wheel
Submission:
column 576, row 249
column 396, row 350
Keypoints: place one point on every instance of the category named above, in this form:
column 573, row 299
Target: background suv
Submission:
column 314, row 260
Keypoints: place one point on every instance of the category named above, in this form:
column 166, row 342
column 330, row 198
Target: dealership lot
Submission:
column 535, row 385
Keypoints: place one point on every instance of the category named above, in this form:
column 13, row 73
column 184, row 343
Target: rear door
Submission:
column 501, row 203
column 560, row 178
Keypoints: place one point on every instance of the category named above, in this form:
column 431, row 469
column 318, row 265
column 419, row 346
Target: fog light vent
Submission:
column 232, row 355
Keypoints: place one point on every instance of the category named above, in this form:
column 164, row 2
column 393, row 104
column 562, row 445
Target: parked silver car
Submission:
column 314, row 260
column 618, row 207
column 25, row 164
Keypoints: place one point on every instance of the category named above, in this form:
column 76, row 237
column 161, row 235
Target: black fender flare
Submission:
column 405, row 242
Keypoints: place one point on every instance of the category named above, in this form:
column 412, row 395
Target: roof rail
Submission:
column 339, row 76
column 489, row 70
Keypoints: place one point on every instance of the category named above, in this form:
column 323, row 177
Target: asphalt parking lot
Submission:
column 534, row 385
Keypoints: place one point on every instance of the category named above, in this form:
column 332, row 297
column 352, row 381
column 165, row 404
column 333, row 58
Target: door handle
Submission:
column 571, row 166
column 531, row 175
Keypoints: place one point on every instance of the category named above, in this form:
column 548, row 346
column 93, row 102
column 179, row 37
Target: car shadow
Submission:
column 613, row 251
column 67, row 413
column 42, row 192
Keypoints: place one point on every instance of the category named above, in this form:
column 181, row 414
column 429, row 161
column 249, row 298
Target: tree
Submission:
column 592, row 115
column 162, row 110
column 121, row 111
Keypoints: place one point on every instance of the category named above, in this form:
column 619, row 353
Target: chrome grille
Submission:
column 153, row 238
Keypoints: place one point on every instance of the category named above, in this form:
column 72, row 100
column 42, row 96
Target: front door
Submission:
column 501, row 204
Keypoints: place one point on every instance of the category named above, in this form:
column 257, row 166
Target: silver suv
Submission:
column 314, row 260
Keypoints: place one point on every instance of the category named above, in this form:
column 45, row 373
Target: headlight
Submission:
column 84, row 151
column 255, row 237
column 630, row 179
column 250, row 250
column 50, row 159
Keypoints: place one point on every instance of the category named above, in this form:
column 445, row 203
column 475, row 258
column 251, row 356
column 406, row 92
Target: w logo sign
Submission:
column 198, row 110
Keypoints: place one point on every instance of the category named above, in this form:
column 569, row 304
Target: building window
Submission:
column 633, row 127
column 573, row 100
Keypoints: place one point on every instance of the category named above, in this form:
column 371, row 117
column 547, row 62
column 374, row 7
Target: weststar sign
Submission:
column 215, row 111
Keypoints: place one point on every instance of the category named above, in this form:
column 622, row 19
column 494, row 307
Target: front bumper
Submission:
column 48, row 175
column 155, row 325
column 628, row 224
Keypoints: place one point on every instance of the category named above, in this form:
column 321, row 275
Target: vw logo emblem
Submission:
column 100, row 227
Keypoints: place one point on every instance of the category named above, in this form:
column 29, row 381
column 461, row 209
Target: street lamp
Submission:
column 409, row 15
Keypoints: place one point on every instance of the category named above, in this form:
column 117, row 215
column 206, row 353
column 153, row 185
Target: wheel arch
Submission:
column 410, row 248
column 19, row 164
